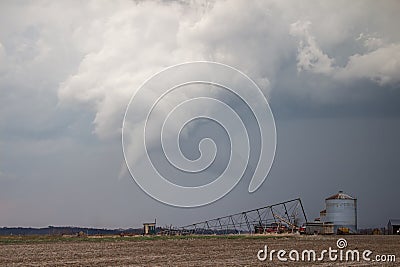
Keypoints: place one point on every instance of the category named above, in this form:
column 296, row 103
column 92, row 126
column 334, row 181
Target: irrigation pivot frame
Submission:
column 287, row 216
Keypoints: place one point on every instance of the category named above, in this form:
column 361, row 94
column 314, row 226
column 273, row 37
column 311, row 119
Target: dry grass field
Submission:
column 182, row 251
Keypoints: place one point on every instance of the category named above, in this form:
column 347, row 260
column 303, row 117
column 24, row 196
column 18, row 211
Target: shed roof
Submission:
column 340, row 195
column 394, row 221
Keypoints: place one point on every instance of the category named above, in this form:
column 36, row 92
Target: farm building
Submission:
column 394, row 227
column 319, row 228
column 149, row 228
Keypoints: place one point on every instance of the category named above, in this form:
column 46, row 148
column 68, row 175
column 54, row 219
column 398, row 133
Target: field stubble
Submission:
column 180, row 251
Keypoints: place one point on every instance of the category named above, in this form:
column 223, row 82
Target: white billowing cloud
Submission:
column 100, row 53
column 134, row 42
column 370, row 42
column 140, row 39
column 381, row 62
column 310, row 57
column 381, row 65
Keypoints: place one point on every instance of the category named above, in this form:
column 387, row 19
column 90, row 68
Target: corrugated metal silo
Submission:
column 341, row 210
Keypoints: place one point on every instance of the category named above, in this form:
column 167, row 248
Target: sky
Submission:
column 329, row 69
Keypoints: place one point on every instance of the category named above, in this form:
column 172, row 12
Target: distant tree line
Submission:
column 66, row 230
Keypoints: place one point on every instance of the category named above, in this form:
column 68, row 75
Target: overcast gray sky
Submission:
column 330, row 69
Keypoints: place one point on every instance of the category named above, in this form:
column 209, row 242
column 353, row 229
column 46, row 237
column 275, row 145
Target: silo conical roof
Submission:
column 340, row 195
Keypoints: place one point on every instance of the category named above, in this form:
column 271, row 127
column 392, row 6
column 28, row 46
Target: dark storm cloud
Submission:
column 311, row 95
column 331, row 71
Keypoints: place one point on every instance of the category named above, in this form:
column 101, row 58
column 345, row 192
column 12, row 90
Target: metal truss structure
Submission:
column 286, row 216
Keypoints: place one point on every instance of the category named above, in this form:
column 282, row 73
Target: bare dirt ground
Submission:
column 187, row 251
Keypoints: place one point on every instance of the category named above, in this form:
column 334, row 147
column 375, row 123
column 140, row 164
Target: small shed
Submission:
column 394, row 227
column 320, row 228
column 149, row 228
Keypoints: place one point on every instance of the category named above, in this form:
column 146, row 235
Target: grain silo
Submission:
column 341, row 210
